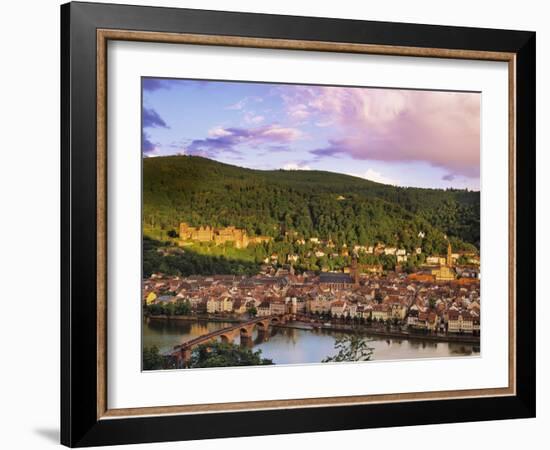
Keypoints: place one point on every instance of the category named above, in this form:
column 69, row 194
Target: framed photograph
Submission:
column 276, row 224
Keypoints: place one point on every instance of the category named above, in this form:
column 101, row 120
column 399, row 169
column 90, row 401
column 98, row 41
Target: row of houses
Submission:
column 454, row 321
column 411, row 301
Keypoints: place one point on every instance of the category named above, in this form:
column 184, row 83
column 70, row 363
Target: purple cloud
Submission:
column 147, row 147
column 227, row 139
column 278, row 148
column 151, row 119
column 334, row 147
column 154, row 84
column 210, row 147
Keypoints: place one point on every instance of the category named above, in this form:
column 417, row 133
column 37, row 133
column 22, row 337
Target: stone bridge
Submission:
column 244, row 330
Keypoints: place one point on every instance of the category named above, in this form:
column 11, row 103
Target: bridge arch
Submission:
column 228, row 335
column 246, row 332
column 262, row 326
column 226, row 338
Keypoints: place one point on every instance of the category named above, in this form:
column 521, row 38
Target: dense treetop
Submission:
column 307, row 204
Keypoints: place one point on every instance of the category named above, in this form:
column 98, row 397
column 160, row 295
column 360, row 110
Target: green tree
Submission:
column 462, row 260
column 226, row 355
column 351, row 347
column 154, row 309
column 152, row 360
column 170, row 309
column 182, row 308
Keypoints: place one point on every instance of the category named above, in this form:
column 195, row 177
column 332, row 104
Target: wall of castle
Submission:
column 219, row 235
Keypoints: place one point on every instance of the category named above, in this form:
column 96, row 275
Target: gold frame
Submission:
column 103, row 36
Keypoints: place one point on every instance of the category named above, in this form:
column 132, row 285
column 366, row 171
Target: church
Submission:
column 445, row 271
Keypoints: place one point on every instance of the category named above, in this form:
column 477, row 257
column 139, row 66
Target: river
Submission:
column 296, row 346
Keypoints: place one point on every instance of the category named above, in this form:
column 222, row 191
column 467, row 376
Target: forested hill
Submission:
column 343, row 208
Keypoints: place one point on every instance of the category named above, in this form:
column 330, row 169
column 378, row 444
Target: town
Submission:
column 248, row 261
column 442, row 299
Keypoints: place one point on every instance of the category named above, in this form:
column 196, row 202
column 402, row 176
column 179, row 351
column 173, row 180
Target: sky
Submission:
column 393, row 136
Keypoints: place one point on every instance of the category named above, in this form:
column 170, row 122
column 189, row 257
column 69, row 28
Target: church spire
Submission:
column 449, row 255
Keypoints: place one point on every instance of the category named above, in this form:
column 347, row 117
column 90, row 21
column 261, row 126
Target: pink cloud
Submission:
column 440, row 128
column 229, row 139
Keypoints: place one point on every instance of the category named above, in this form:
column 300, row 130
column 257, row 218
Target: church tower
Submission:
column 355, row 271
column 449, row 255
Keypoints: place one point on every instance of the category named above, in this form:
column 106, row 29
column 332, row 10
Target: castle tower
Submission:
column 184, row 233
column 449, row 255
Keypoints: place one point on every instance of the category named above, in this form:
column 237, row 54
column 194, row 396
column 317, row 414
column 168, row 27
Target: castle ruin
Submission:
column 219, row 235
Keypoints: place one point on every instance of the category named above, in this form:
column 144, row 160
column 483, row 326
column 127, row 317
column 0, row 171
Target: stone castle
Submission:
column 219, row 235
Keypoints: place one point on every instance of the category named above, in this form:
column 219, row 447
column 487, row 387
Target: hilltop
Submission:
column 307, row 204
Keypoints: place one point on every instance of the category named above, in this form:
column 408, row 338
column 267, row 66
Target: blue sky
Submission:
column 401, row 137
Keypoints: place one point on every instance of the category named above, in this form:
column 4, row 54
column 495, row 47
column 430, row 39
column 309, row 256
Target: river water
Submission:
column 295, row 346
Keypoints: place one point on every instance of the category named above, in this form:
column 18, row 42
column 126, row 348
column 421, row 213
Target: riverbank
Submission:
column 196, row 318
column 394, row 334
column 341, row 328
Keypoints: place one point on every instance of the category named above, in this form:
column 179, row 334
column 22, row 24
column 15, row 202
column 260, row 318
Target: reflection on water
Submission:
column 165, row 334
column 293, row 346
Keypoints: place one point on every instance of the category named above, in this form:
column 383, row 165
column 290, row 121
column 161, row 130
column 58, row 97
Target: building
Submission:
column 264, row 309
column 477, row 325
column 445, row 271
column 278, row 308
column 426, row 321
column 292, row 258
column 212, row 306
column 335, row 280
column 165, row 299
column 150, row 298
column 433, row 321
column 219, row 305
column 317, row 306
column 460, row 322
column 338, row 309
column 434, row 260
column 380, row 312
column 398, row 311
column 239, row 306
column 219, row 235
column 412, row 318
column 421, row 277
column 371, row 268
column 366, row 312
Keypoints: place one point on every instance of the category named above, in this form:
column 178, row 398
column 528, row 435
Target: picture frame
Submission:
column 86, row 418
